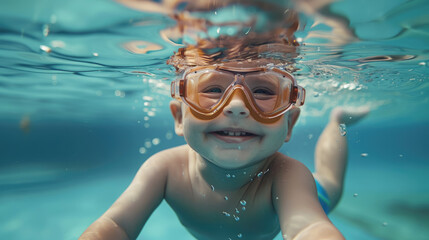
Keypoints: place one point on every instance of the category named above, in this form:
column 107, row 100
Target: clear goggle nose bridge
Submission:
column 268, row 93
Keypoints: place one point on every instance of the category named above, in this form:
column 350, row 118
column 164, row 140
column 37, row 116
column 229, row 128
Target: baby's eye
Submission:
column 263, row 91
column 213, row 90
column 263, row 94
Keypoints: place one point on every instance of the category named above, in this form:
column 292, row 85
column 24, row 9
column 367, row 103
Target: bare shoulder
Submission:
column 285, row 167
column 162, row 161
column 291, row 178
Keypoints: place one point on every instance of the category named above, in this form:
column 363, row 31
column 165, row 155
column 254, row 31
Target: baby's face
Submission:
column 234, row 139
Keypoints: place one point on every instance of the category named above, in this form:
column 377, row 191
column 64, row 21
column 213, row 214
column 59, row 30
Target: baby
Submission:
column 236, row 104
column 229, row 181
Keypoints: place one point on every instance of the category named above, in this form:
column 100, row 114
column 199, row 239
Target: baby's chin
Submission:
column 235, row 164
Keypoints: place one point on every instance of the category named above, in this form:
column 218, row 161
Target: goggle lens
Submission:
column 269, row 91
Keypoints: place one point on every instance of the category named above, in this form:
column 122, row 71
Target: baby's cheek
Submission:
column 278, row 133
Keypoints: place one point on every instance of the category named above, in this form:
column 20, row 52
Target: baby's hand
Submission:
column 349, row 115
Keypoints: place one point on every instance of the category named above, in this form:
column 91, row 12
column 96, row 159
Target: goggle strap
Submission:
column 294, row 95
column 300, row 96
column 181, row 88
column 173, row 89
column 177, row 89
column 297, row 96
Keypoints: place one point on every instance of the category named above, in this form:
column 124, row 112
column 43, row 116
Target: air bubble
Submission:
column 364, row 154
column 248, row 30
column 169, row 135
column 45, row 48
column 343, row 130
column 228, row 175
column 45, row 30
column 119, row 93
column 156, row 141
column 58, row 44
column 355, row 195
column 142, row 150
column 147, row 98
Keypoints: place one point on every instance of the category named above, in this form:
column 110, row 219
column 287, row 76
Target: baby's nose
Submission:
column 236, row 107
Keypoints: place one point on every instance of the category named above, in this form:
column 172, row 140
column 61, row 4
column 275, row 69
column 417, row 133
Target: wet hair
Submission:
column 277, row 46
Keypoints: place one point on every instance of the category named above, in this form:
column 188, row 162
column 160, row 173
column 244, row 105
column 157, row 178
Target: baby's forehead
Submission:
column 248, row 63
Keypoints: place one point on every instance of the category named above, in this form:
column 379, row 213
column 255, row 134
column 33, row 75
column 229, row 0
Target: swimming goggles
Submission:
column 268, row 93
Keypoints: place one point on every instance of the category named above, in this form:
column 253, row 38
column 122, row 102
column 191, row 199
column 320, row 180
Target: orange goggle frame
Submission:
column 289, row 96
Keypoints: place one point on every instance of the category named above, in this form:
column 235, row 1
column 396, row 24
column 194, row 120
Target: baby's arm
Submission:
column 331, row 151
column 295, row 200
column 126, row 217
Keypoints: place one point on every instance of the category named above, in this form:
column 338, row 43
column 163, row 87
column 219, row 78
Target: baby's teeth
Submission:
column 233, row 133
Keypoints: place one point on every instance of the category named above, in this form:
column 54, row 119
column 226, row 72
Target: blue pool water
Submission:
column 80, row 110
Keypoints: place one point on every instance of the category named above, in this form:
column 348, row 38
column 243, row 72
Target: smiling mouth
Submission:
column 234, row 136
column 234, row 133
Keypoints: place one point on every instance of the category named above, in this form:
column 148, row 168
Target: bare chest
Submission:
column 211, row 214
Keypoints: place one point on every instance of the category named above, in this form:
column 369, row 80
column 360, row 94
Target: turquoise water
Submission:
column 80, row 110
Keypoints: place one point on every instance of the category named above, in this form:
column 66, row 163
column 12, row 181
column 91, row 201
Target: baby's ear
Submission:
column 176, row 111
column 293, row 115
